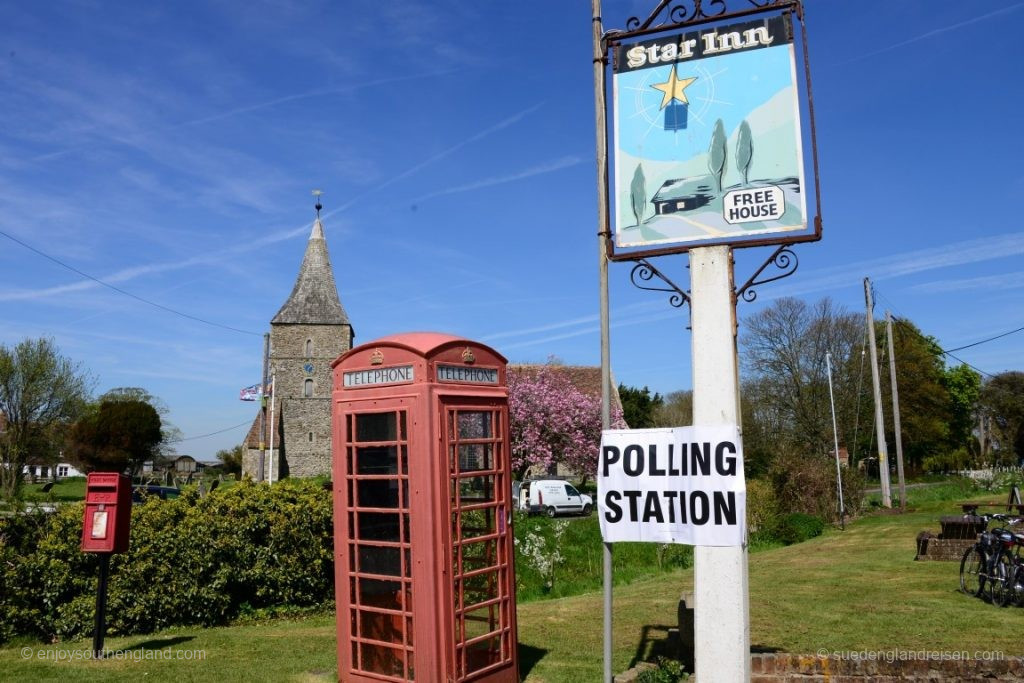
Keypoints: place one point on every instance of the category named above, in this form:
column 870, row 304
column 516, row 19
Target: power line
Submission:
column 121, row 291
column 911, row 327
column 219, row 431
column 985, row 341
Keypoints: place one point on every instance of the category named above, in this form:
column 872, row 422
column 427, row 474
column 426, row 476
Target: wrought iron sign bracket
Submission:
column 783, row 259
column 644, row 271
column 680, row 13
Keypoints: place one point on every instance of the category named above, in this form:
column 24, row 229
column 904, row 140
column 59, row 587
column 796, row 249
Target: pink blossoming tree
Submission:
column 553, row 422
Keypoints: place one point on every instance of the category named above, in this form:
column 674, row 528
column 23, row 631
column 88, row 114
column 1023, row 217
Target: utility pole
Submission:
column 602, row 264
column 263, row 408
column 883, row 456
column 835, row 435
column 721, row 585
column 896, row 413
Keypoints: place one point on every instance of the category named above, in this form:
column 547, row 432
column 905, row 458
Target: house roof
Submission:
column 314, row 298
column 252, row 439
column 586, row 378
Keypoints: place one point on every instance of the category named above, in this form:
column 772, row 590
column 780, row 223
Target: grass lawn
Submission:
column 847, row 590
column 72, row 488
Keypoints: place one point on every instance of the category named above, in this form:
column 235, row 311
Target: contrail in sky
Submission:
column 933, row 33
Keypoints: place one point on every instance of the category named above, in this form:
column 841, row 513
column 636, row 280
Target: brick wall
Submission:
column 789, row 668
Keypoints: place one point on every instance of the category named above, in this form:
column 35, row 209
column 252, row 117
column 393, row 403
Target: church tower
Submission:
column 309, row 331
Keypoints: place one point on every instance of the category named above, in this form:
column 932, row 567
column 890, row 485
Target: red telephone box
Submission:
column 422, row 516
column 108, row 511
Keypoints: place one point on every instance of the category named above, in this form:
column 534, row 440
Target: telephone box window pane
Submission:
column 380, row 560
column 375, row 427
column 402, row 434
column 378, row 493
column 476, row 456
column 479, row 489
column 380, row 593
column 381, row 660
column 481, row 621
column 379, row 460
column 477, row 523
column 483, row 654
column 380, row 626
column 379, row 526
column 405, row 461
column 475, row 424
column 479, row 555
column 479, row 588
column 351, row 558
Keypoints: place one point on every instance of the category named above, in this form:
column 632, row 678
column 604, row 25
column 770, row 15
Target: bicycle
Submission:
column 981, row 567
column 1011, row 566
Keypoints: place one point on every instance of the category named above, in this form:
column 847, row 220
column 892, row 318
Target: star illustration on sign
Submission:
column 674, row 88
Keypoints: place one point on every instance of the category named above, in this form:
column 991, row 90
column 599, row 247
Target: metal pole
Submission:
column 721, row 590
column 273, row 388
column 602, row 264
column 896, row 413
column 883, row 454
column 263, row 408
column 100, row 626
column 835, row 434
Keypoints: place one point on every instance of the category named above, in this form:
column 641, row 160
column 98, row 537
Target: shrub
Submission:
column 807, row 484
column 762, row 507
column 667, row 671
column 797, row 527
column 192, row 561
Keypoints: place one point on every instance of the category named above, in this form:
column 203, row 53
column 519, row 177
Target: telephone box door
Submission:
column 475, row 437
column 377, row 529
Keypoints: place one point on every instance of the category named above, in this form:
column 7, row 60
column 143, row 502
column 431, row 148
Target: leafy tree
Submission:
column 1002, row 399
column 117, row 435
column 552, row 421
column 788, row 397
column 717, row 153
column 639, row 408
column 675, row 410
column 171, row 434
column 963, row 386
column 925, row 408
column 638, row 193
column 744, row 150
column 41, row 391
column 231, row 459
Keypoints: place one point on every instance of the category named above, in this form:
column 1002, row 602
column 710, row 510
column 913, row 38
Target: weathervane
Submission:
column 318, row 205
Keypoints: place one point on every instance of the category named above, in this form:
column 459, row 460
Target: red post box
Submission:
column 108, row 510
column 423, row 544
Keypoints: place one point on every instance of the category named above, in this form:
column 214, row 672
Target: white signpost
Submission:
column 709, row 150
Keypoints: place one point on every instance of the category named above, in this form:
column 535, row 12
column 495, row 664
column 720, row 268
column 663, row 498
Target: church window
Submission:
column 309, row 348
column 311, row 437
column 307, row 389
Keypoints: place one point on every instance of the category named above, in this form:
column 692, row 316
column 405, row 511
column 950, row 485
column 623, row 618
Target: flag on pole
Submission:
column 252, row 393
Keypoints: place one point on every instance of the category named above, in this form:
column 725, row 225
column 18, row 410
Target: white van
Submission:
column 550, row 496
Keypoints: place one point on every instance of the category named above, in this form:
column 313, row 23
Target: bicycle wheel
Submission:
column 1001, row 580
column 971, row 580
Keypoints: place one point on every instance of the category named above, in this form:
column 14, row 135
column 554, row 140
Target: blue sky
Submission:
column 170, row 150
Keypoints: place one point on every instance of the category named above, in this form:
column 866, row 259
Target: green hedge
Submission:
column 192, row 561
column 798, row 527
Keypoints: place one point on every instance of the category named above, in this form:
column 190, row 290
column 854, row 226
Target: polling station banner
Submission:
column 707, row 137
column 672, row 485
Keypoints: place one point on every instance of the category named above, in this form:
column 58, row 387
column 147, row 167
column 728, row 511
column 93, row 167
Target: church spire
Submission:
column 314, row 298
